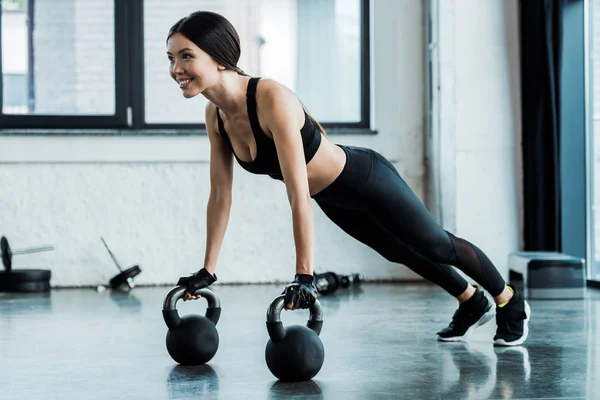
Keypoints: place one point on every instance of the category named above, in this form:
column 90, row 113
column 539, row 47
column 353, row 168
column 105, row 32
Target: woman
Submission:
column 264, row 126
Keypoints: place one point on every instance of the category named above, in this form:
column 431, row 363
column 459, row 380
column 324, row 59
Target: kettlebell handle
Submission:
column 171, row 315
column 275, row 326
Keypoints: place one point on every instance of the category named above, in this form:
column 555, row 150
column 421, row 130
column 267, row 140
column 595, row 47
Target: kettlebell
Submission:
column 192, row 339
column 295, row 353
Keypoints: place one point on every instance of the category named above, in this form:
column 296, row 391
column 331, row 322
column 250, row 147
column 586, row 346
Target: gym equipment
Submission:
column 192, row 339
column 330, row 282
column 327, row 282
column 7, row 253
column 352, row 280
column 22, row 280
column 124, row 279
column 295, row 353
column 547, row 275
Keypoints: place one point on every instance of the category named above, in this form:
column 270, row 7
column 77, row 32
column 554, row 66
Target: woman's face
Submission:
column 190, row 67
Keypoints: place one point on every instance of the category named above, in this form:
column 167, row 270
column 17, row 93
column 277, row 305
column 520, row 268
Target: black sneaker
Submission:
column 512, row 321
column 472, row 313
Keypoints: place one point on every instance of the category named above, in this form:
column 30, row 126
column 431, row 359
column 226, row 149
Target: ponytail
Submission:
column 238, row 70
column 315, row 122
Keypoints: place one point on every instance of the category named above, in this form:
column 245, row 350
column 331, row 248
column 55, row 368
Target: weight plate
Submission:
column 26, row 275
column 6, row 253
column 25, row 280
column 132, row 272
column 122, row 277
column 26, row 287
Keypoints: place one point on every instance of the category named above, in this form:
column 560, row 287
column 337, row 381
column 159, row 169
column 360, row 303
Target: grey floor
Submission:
column 379, row 344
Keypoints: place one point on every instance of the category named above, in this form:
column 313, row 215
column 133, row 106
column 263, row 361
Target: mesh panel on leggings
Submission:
column 473, row 262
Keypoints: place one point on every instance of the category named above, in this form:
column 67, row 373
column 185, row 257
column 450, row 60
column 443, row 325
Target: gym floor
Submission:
column 379, row 344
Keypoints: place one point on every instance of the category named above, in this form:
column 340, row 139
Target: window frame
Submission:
column 574, row 135
column 116, row 120
column 591, row 263
column 129, row 116
column 577, row 144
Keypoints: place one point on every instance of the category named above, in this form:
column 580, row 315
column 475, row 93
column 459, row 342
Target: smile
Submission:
column 184, row 83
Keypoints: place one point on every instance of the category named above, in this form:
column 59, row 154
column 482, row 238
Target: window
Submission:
column 102, row 63
column 58, row 65
column 69, row 69
column 14, row 23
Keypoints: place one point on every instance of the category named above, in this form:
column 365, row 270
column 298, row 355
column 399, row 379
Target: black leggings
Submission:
column 371, row 202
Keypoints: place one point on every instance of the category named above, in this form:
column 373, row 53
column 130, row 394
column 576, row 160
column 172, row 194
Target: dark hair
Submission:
column 216, row 36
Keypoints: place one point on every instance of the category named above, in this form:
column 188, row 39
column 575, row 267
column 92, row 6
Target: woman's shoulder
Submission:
column 271, row 91
column 210, row 108
column 210, row 116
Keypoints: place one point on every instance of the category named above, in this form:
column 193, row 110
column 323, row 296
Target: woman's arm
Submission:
column 217, row 209
column 219, row 200
column 280, row 107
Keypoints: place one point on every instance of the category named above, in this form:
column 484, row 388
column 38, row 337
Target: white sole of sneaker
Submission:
column 522, row 339
column 485, row 318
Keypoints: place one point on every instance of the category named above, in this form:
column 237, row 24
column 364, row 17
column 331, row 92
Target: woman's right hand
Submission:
column 195, row 282
column 301, row 293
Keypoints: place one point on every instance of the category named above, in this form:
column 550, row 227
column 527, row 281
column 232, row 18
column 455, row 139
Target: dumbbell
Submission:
column 327, row 282
column 351, row 280
column 330, row 282
column 123, row 281
column 22, row 280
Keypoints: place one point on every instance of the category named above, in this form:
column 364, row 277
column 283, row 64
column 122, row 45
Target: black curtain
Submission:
column 541, row 51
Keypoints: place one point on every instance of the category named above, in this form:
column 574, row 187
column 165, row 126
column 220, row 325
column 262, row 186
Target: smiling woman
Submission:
column 220, row 44
column 264, row 126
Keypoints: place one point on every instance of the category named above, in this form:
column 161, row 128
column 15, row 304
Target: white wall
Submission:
column 147, row 196
column 478, row 123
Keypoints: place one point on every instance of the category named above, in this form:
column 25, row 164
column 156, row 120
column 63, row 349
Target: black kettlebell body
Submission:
column 299, row 356
column 295, row 353
column 192, row 339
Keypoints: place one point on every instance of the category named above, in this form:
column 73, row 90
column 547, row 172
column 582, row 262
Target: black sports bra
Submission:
column 266, row 161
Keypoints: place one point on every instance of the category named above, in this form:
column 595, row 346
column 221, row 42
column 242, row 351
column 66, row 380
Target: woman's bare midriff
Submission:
column 326, row 165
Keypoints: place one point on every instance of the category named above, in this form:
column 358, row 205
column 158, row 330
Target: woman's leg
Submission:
column 394, row 206
column 473, row 312
column 362, row 227
column 399, row 211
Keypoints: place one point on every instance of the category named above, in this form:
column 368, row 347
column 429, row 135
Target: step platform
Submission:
column 547, row 275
